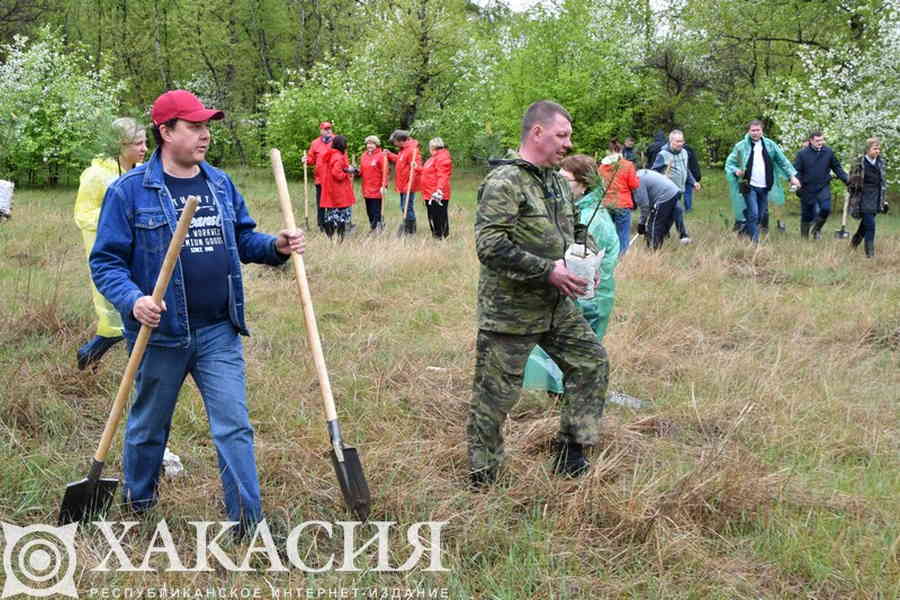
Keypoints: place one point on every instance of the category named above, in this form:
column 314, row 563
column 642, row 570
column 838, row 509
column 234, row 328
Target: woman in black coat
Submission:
column 867, row 194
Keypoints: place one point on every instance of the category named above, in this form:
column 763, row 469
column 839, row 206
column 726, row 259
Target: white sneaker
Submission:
column 686, row 240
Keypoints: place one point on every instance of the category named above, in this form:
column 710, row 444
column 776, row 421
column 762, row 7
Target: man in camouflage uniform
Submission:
column 524, row 223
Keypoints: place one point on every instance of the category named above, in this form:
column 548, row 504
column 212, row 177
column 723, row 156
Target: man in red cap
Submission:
column 315, row 157
column 197, row 325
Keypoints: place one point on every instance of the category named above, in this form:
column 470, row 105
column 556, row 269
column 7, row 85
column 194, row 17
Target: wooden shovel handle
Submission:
column 412, row 174
column 309, row 315
column 846, row 203
column 137, row 353
column 305, row 189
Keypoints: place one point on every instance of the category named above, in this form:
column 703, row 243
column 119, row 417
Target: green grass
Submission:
column 766, row 465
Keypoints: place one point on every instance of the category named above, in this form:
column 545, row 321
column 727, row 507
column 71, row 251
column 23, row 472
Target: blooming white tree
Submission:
column 55, row 109
column 847, row 92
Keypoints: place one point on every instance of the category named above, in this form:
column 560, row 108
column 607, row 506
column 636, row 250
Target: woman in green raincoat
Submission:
column 130, row 148
column 541, row 373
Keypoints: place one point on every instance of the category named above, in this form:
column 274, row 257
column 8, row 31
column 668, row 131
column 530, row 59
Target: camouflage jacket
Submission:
column 524, row 223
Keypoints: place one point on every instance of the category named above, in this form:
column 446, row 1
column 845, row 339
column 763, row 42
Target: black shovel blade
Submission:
column 86, row 498
column 841, row 233
column 353, row 482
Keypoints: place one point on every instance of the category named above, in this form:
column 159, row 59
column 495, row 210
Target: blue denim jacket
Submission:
column 137, row 222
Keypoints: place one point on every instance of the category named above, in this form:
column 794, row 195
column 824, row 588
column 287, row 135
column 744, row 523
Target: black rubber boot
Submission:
column 856, row 240
column 409, row 226
column 570, row 460
column 764, row 224
column 804, row 230
column 93, row 350
column 480, row 480
column 870, row 249
column 816, row 230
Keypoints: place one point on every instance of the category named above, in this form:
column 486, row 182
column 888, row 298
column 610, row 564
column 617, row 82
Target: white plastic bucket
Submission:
column 6, row 195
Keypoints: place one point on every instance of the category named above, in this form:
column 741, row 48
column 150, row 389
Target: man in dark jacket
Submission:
column 694, row 168
column 629, row 152
column 814, row 164
column 659, row 140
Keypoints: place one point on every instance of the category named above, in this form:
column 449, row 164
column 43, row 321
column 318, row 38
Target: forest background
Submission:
column 451, row 68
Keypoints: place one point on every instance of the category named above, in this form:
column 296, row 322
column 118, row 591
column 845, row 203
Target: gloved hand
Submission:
column 885, row 208
column 641, row 229
column 437, row 196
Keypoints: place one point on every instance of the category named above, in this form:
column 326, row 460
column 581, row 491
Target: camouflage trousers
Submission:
column 499, row 367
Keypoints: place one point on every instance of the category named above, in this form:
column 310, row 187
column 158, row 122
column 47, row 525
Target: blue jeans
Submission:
column 410, row 206
column 622, row 220
column 815, row 206
column 755, row 211
column 688, row 197
column 215, row 360
column 678, row 215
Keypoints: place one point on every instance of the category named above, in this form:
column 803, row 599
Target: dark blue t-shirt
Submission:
column 204, row 260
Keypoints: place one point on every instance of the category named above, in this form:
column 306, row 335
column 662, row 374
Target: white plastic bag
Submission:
column 172, row 463
column 581, row 262
column 6, row 195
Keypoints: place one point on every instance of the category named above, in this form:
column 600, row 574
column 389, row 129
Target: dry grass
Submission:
column 765, row 465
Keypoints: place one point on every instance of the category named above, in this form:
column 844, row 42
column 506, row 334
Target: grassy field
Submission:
column 764, row 466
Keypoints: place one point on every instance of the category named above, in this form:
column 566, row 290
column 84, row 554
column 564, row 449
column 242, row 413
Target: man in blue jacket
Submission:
column 196, row 327
column 814, row 164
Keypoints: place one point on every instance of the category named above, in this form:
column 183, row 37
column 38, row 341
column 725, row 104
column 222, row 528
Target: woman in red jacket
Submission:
column 619, row 179
column 436, row 174
column 337, row 188
column 373, row 166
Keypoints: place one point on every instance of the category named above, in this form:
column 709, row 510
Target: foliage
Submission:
column 53, row 107
column 465, row 71
column 723, row 62
column 573, row 56
column 848, row 92
column 324, row 93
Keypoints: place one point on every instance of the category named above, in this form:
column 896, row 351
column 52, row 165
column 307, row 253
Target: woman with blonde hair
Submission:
column 128, row 152
column 374, row 171
column 436, row 174
column 867, row 186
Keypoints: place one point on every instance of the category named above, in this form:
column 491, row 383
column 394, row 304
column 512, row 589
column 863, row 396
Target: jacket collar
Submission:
column 514, row 158
column 154, row 176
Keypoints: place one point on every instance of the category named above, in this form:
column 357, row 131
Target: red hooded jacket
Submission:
column 374, row 172
column 618, row 191
column 337, row 185
column 316, row 156
column 436, row 174
column 403, row 160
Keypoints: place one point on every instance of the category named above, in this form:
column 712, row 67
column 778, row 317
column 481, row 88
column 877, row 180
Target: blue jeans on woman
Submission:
column 755, row 211
column 215, row 360
column 622, row 220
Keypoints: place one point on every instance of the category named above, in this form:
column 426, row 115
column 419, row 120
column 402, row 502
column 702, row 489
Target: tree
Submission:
column 55, row 108
column 571, row 55
column 848, row 91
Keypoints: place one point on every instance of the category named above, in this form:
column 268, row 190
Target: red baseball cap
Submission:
column 181, row 104
column 324, row 124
